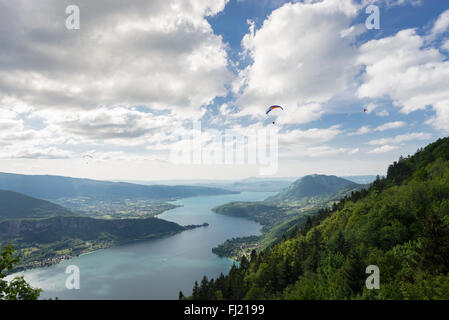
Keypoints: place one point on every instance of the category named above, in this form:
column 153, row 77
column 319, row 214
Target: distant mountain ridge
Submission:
column 15, row 205
column 55, row 187
column 314, row 185
column 252, row 184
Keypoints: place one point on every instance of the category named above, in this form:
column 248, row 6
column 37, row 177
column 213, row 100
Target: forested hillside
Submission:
column 314, row 186
column 399, row 224
column 14, row 205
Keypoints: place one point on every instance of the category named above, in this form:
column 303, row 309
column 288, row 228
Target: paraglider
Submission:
column 365, row 110
column 272, row 108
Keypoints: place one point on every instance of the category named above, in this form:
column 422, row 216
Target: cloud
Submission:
column 361, row 131
column 413, row 75
column 299, row 60
column 445, row 45
column 116, row 123
column 99, row 156
column 383, row 113
column 391, row 125
column 371, row 107
column 310, row 136
column 392, row 3
column 383, row 149
column 34, row 153
column 322, row 151
column 442, row 24
column 401, row 138
column 161, row 53
column 300, row 114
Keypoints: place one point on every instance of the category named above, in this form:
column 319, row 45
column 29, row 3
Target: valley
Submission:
column 282, row 213
column 80, row 215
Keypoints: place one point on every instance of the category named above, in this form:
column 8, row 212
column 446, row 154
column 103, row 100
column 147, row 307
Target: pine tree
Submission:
column 341, row 245
column 294, row 232
column 434, row 249
column 253, row 256
column 307, row 226
column 204, row 289
column 354, row 272
column 196, row 290
column 244, row 263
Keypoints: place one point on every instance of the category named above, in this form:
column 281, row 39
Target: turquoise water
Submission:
column 154, row 269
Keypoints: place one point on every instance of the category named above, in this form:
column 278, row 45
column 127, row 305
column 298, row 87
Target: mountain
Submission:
column 314, row 186
column 14, row 205
column 399, row 226
column 55, row 187
column 278, row 214
column 261, row 185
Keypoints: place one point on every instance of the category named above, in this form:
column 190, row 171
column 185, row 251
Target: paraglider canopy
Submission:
column 272, row 108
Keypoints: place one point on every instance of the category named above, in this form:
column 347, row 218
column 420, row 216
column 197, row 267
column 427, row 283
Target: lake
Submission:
column 154, row 269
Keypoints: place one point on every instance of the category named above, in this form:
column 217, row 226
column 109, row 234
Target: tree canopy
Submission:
column 17, row 288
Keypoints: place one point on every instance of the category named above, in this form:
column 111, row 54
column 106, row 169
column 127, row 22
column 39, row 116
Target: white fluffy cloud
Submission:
column 299, row 60
column 401, row 138
column 310, row 136
column 442, row 24
column 383, row 113
column 322, row 151
column 383, row 149
column 392, row 3
column 61, row 88
column 414, row 76
column 34, row 153
column 362, row 130
column 391, row 125
column 161, row 53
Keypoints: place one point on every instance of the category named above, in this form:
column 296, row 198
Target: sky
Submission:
column 140, row 83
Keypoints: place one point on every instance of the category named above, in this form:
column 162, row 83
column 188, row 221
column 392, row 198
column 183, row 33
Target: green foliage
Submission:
column 262, row 212
column 400, row 224
column 17, row 288
column 233, row 247
column 14, row 205
column 314, row 186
